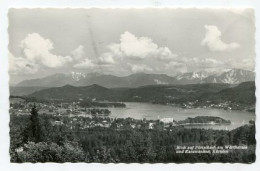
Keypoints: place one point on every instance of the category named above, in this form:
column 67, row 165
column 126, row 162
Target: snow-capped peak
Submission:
column 78, row 76
column 160, row 82
column 193, row 75
column 235, row 76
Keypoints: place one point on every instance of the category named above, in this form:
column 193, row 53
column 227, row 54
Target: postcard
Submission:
column 129, row 85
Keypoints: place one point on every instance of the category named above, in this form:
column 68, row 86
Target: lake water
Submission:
column 156, row 111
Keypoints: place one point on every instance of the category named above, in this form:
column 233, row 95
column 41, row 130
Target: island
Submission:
column 204, row 120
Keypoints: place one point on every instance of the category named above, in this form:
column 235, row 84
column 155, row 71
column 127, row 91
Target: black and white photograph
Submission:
column 132, row 85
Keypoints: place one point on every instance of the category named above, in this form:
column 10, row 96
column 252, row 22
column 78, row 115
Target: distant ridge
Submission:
column 72, row 92
column 232, row 76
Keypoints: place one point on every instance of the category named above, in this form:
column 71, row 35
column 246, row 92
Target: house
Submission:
column 151, row 125
column 132, row 125
column 166, row 120
column 57, row 123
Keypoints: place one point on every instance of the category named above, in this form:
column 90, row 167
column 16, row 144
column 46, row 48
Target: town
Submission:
column 75, row 117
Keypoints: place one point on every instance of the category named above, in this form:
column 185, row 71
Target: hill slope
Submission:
column 244, row 93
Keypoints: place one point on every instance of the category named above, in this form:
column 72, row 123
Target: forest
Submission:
column 34, row 138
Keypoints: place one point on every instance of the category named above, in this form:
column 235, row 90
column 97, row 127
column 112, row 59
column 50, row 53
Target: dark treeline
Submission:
column 35, row 139
column 82, row 103
column 89, row 103
column 30, row 99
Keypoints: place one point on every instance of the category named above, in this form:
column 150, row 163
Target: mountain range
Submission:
column 243, row 93
column 231, row 76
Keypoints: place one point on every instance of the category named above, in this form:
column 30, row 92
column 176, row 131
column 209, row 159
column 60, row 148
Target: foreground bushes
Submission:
column 50, row 152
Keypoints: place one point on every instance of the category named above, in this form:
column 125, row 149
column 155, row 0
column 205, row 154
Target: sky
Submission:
column 125, row 41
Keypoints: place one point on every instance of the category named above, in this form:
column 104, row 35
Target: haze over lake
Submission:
column 157, row 111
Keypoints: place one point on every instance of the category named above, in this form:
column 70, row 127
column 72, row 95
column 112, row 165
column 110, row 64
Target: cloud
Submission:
column 213, row 40
column 247, row 64
column 79, row 53
column 133, row 47
column 135, row 68
column 155, row 58
column 86, row 64
column 130, row 47
column 185, row 64
column 19, row 65
column 119, row 55
column 115, row 49
column 176, row 66
column 106, row 58
column 202, row 62
column 37, row 49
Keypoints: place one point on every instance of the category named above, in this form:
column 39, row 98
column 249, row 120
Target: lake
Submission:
column 157, row 111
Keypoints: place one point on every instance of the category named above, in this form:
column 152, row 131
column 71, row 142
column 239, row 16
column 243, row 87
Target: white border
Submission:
column 4, row 116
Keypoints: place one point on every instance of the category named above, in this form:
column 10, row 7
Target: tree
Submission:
column 223, row 140
column 104, row 155
column 35, row 125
